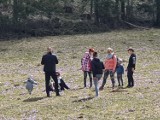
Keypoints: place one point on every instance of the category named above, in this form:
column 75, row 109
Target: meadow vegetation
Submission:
column 20, row 58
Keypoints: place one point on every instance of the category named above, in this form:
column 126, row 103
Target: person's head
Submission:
column 95, row 54
column 120, row 61
column 91, row 50
column 49, row 50
column 57, row 74
column 30, row 77
column 109, row 50
column 130, row 50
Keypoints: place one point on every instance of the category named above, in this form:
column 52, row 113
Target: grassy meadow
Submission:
column 21, row 58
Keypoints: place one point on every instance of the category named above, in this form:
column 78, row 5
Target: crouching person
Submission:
column 97, row 69
column 61, row 84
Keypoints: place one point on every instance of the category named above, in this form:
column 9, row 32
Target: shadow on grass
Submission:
column 83, row 99
column 33, row 99
column 79, row 88
column 119, row 90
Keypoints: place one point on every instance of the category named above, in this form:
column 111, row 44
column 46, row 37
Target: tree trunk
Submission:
column 96, row 9
column 15, row 11
column 117, row 10
column 123, row 11
column 91, row 9
column 158, row 12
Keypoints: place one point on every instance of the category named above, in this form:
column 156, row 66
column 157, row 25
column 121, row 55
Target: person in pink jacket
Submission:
column 86, row 66
column 110, row 67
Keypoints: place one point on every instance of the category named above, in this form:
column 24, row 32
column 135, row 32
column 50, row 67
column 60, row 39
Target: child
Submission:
column 62, row 85
column 120, row 72
column 30, row 83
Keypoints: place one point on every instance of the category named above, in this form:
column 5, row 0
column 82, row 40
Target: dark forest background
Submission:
column 60, row 17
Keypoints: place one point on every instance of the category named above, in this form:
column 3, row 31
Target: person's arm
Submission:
column 42, row 61
column 115, row 63
column 102, row 66
column 105, row 64
column 82, row 64
column 56, row 60
column 134, row 61
column 93, row 69
column 122, row 70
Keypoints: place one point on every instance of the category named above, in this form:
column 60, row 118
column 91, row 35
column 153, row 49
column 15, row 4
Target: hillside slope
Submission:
column 20, row 58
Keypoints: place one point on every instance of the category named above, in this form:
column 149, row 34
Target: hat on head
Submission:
column 130, row 49
column 110, row 49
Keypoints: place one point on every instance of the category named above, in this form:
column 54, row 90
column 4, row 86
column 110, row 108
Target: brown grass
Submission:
column 20, row 58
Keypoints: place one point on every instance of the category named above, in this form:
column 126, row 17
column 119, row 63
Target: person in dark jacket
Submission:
column 97, row 70
column 62, row 85
column 131, row 67
column 61, row 82
column 49, row 61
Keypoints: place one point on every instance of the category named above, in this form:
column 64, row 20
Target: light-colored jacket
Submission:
column 29, row 85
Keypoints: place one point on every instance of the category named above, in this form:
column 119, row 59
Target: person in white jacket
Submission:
column 30, row 83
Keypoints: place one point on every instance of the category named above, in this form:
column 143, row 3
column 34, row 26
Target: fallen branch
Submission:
column 136, row 26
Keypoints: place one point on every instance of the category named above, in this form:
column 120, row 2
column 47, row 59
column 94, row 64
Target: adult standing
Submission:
column 86, row 66
column 131, row 67
column 110, row 67
column 49, row 61
column 97, row 69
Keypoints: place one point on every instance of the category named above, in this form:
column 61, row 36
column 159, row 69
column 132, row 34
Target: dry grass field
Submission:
column 21, row 58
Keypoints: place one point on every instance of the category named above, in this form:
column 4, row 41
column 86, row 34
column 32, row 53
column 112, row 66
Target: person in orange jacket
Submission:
column 110, row 67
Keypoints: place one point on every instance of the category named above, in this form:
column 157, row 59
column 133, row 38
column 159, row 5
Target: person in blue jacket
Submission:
column 120, row 72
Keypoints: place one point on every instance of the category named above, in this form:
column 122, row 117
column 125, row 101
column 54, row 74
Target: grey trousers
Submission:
column 106, row 73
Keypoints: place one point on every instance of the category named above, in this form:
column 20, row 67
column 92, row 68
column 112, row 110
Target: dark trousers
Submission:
column 130, row 77
column 106, row 74
column 85, row 77
column 63, row 85
column 47, row 81
column 120, row 79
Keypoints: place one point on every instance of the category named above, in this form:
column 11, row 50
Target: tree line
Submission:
column 36, row 17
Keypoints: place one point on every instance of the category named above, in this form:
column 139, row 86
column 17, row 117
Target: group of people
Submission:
column 91, row 64
column 92, row 67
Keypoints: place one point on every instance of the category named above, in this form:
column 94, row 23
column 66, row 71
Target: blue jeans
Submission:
column 96, row 79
